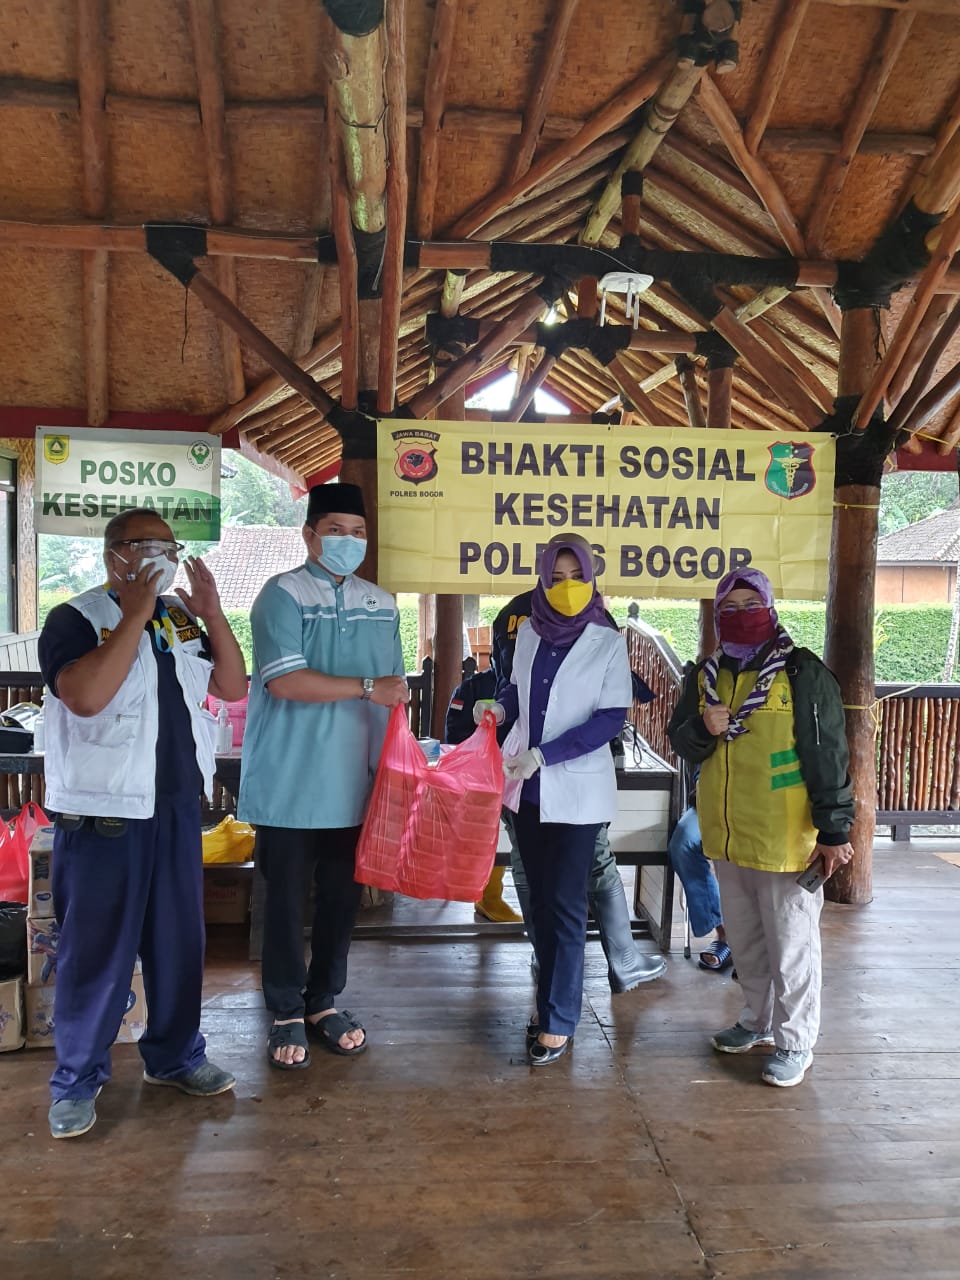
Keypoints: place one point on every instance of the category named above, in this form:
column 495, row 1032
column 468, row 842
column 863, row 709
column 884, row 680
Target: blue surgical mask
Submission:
column 341, row 553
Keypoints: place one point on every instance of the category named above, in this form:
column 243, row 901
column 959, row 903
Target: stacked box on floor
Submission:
column 11, row 1014
column 43, row 939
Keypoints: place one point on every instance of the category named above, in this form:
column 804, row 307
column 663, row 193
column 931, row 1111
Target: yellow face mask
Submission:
column 569, row 597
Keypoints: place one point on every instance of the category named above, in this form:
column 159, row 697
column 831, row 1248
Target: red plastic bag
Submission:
column 14, row 852
column 431, row 832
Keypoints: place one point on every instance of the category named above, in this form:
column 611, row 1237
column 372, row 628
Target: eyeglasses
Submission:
column 150, row 546
column 751, row 606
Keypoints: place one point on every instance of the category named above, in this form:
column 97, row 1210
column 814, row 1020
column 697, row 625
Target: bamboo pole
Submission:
column 227, row 311
column 347, row 276
column 939, row 395
column 787, row 28
column 392, row 279
column 940, row 260
column 919, row 345
column 908, row 411
column 354, row 65
column 761, row 179
column 659, row 117
column 548, row 74
column 448, row 637
column 827, row 143
column 851, row 592
column 434, row 102
column 883, row 59
column 691, row 393
column 467, row 367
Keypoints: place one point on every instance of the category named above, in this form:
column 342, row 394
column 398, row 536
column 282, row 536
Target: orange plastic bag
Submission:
column 431, row 831
column 15, row 850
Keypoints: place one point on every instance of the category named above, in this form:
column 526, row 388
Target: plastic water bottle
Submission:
column 38, row 730
column 224, row 740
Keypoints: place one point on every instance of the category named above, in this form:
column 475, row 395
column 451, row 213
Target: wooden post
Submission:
column 448, row 639
column 848, row 648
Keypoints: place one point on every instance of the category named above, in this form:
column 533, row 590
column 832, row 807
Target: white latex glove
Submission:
column 488, row 704
column 525, row 765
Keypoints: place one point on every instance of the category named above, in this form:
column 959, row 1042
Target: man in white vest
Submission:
column 129, row 747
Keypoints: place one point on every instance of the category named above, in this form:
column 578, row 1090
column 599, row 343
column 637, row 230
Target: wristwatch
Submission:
column 367, row 683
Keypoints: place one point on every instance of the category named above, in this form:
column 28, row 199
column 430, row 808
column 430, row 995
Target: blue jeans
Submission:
column 692, row 867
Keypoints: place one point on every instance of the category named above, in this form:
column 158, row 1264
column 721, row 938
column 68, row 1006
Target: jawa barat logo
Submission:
column 416, row 455
column 790, row 473
column 56, row 449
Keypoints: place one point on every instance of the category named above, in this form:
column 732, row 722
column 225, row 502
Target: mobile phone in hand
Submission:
column 813, row 877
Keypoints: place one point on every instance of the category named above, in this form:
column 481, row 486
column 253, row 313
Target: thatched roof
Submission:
column 513, row 117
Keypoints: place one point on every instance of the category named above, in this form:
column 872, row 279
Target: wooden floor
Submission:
column 440, row 1155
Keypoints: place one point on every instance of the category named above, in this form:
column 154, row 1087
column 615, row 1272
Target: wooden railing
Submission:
column 652, row 658
column 918, row 765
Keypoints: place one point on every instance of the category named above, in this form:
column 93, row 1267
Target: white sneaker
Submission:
column 786, row 1067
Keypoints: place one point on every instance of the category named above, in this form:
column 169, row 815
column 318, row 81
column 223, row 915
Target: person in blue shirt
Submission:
column 328, row 668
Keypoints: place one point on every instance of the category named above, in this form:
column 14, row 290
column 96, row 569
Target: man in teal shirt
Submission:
column 328, row 667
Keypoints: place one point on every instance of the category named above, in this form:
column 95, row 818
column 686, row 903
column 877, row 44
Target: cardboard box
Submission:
column 135, row 1019
column 43, row 942
column 11, row 1015
column 41, row 874
column 39, row 1014
column 226, row 895
column 38, row 1002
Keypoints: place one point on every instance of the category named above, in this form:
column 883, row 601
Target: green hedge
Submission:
column 911, row 640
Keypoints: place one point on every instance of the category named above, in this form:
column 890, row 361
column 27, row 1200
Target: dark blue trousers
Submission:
column 138, row 894
column 557, row 857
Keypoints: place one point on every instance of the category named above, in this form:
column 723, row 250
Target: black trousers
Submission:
column 288, row 859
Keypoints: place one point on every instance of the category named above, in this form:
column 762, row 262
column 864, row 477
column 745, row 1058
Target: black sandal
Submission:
column 283, row 1034
column 328, row 1030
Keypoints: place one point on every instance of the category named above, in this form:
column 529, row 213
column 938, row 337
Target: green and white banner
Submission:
column 86, row 475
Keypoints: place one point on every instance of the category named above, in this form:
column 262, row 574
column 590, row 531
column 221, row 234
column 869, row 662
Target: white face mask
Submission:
column 168, row 571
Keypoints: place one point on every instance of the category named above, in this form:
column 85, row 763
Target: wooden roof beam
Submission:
column 883, row 59
column 346, row 273
column 828, row 143
column 434, row 103
column 92, row 85
column 903, row 415
column 607, row 118
column 548, row 74
column 206, row 56
column 788, row 23
column 762, row 181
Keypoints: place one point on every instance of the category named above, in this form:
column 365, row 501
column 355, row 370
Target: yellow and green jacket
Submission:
column 765, row 798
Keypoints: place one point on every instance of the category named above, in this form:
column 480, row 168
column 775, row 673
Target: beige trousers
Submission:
column 773, row 927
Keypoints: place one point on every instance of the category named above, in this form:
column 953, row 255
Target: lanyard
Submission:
column 164, row 636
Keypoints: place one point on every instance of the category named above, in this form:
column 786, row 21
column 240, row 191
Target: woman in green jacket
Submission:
column 764, row 720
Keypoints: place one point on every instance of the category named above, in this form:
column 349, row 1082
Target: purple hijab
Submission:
column 756, row 581
column 548, row 624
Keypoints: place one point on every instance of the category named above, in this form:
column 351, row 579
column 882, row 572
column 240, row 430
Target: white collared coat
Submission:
column 593, row 676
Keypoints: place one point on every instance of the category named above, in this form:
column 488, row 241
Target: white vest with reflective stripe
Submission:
column 105, row 765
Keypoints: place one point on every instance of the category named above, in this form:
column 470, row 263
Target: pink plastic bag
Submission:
column 431, row 832
column 14, row 852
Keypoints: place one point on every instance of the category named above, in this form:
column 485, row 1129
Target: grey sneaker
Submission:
column 737, row 1039
column 71, row 1117
column 786, row 1067
column 204, row 1081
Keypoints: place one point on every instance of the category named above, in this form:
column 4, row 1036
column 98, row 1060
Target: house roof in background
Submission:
column 934, row 540
column 247, row 556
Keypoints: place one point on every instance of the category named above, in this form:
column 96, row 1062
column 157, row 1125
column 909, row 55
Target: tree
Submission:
column 909, row 496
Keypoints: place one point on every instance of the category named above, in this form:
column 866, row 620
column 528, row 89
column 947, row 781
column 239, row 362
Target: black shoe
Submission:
column 533, row 1030
column 541, row 1055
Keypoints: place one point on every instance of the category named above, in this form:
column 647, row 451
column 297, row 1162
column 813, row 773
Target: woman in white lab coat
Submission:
column 568, row 696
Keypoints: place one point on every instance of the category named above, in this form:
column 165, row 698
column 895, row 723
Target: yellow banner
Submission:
column 466, row 507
